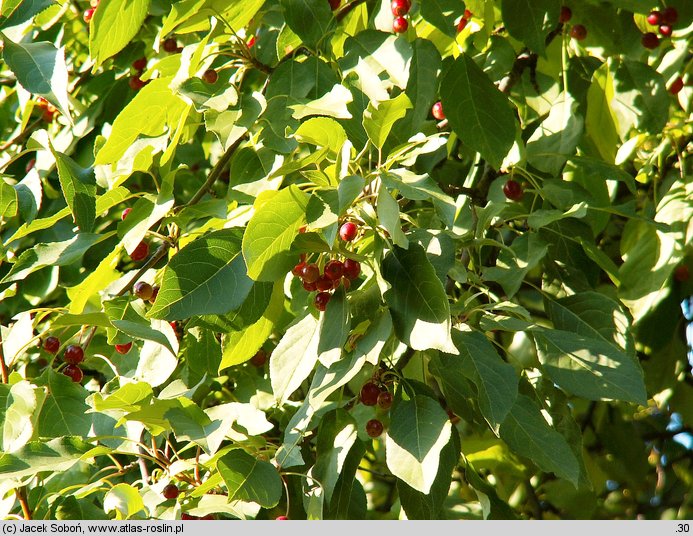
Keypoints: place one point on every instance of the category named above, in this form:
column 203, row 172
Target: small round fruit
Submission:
column 352, row 268
column 170, row 491
column 400, row 7
column 348, row 231
column 462, row 25
column 650, row 40
column 676, row 86
column 123, row 348
column 310, row 273
column 400, row 25
column 125, row 213
column 654, row 18
column 334, row 4
column 334, row 270
column 136, row 83
column 321, row 300
column 512, row 190
column 374, row 428
column 670, row 15
column 74, row 373
column 143, row 290
column 140, row 252
column 259, row 359
column 73, row 354
column 310, row 287
column 369, row 394
column 210, row 76
column 51, row 345
column 385, row 400
column 437, row 111
column 566, row 15
column 139, row 64
column 468, row 14
column 682, row 273
column 298, row 269
column 88, row 14
column 324, row 283
column 665, row 30
column 281, row 518
column 578, row 32
column 170, row 45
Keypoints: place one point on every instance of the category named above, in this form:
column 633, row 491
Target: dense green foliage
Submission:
column 508, row 264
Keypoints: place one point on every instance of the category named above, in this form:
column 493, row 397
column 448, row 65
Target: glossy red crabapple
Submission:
column 374, row 428
column 74, row 373
column 348, row 231
column 123, row 348
column 140, row 252
column 437, row 111
column 512, row 190
column 321, row 300
column 51, row 345
column 578, row 32
column 400, row 25
column 654, row 18
column 352, row 268
column 400, row 7
column 73, row 354
column 210, row 76
column 170, row 491
column 143, row 290
column 334, row 270
column 566, row 15
column 369, row 394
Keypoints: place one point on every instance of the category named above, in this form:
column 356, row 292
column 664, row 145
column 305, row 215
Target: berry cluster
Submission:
column 73, row 356
column 665, row 21
column 463, row 21
column 89, row 13
column 48, row 110
column 370, row 395
column 399, row 9
column 139, row 65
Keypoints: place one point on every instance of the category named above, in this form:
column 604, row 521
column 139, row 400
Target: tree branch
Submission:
column 3, row 366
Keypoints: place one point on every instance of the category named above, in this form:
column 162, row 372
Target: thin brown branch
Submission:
column 23, row 502
column 3, row 366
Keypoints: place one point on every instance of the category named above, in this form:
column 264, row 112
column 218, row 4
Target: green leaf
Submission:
column 526, row 432
column 334, row 328
column 64, row 411
column 125, row 317
column 525, row 253
column 71, row 509
column 419, row 430
column 601, row 122
column 79, row 189
column 55, row 455
column 40, row 68
column 530, row 21
column 389, row 217
column 442, row 14
column 16, row 414
column 193, row 13
column 477, row 111
column 590, row 367
column 130, row 397
column 208, row 276
column 417, row 300
column 323, row 132
column 8, row 201
column 218, row 96
column 124, row 499
column 494, row 379
column 249, row 479
column 190, row 423
column 493, row 507
column 104, row 274
column 379, row 119
column 310, row 20
column 15, row 12
column 202, row 351
column 333, row 103
column 267, row 239
column 113, row 26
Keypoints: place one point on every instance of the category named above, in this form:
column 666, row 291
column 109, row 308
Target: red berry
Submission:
column 125, row 213
column 512, row 190
column 578, row 32
column 140, row 252
column 400, row 25
column 251, row 42
column 400, row 7
column 385, row 400
column 298, row 269
column 143, row 290
column 74, row 372
column 310, row 287
column 676, row 86
column 51, row 345
column 324, row 283
column 310, row 273
column 437, row 111
column 334, row 270
column 259, row 359
column 48, row 116
column 682, row 273
column 374, row 428
column 665, row 30
column 462, row 25
column 468, row 14
column 210, row 76
column 140, row 64
column 352, row 268
column 670, row 15
column 123, row 348
column 654, row 18
column 170, row 491
column 321, row 300
column 650, row 40
column 30, row 165
column 347, row 231
column 41, row 102
column 566, row 15
column 282, row 518
column 334, row 4
column 73, row 354
column 136, row 83
column 88, row 14
column 170, row 45
column 369, row 394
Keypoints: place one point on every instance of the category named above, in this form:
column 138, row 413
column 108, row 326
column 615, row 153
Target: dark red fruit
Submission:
column 334, row 4
column 324, row 283
column 650, row 40
column 310, row 287
column 123, row 348
column 51, row 345
column 468, row 14
column 259, row 359
column 140, row 252
column 88, row 14
column 682, row 273
column 566, row 15
column 140, row 64
column 400, row 7
column 369, row 394
column 74, row 373
column 385, row 400
column 462, row 25
column 347, row 231
column 352, row 268
column 665, row 30
column 210, row 76
column 282, row 518
column 437, row 111
column 310, row 273
column 170, row 45
column 670, row 15
column 334, row 270
column 374, row 428
column 143, row 290
column 170, row 491
column 125, row 213
column 654, row 18
column 400, row 25
column 676, row 86
column 578, row 32
column 298, row 269
column 321, row 300
column 136, row 83
column 73, row 354
column 512, row 190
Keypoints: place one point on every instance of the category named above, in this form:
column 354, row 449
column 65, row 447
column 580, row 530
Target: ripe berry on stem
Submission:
column 136, row 83
column 400, row 25
column 210, row 76
column 139, row 64
column 123, row 348
column 74, row 373
column 140, row 252
column 73, row 354
column 310, row 287
column 566, row 15
column 468, row 14
column 324, row 283
column 347, row 231
column 259, row 359
column 170, row 491
column 298, row 269
column 665, row 30
column 654, row 18
column 676, row 86
column 311, row 273
column 400, row 7
column 321, row 300
column 512, row 190
column 334, row 270
column 374, row 428
column 578, row 32
column 143, row 290
column 385, row 400
column 170, row 45
column 670, row 15
column 650, row 40
column 88, row 14
column 352, row 268
column 51, row 345
column 369, row 394
column 334, row 4
column 437, row 111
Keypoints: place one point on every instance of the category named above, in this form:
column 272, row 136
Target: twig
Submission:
column 23, row 501
column 3, row 365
